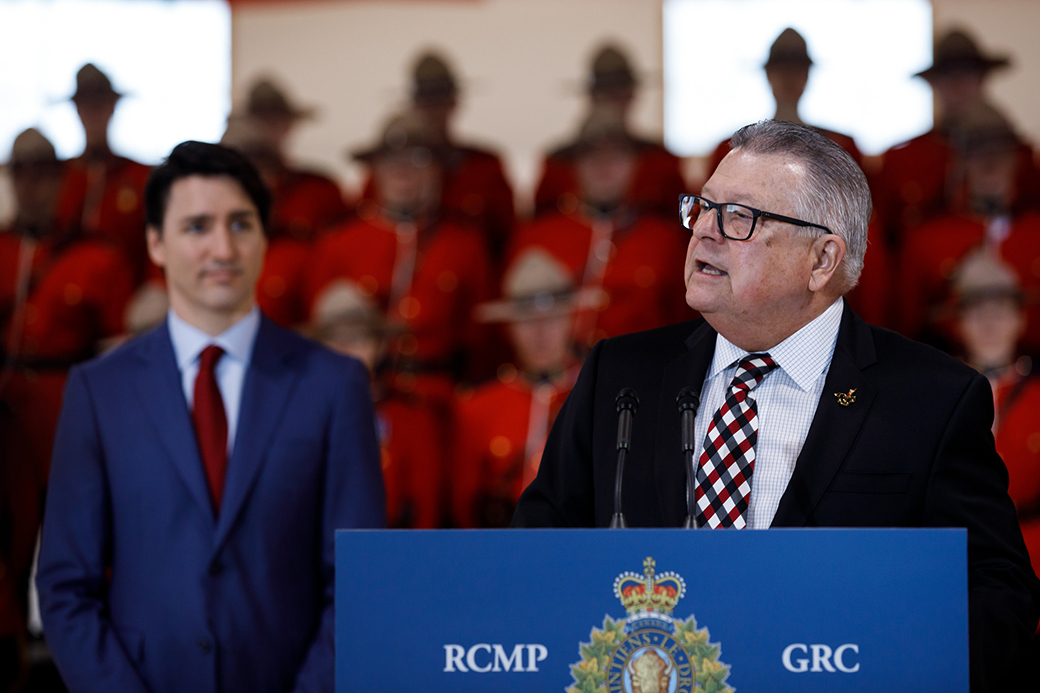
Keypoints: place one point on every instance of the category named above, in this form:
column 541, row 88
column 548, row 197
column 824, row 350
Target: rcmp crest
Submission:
column 649, row 651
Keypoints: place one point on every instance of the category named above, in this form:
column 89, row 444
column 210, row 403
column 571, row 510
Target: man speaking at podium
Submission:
column 810, row 417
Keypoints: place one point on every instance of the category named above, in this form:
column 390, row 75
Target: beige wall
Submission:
column 522, row 62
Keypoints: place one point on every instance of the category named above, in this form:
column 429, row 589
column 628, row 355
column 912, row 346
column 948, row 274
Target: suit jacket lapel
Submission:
column 834, row 427
column 670, row 472
column 269, row 381
column 162, row 397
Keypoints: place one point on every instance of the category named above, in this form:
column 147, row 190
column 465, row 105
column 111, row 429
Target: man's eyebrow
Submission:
column 242, row 213
column 196, row 219
column 739, row 198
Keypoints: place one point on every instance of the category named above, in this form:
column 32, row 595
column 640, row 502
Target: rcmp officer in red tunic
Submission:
column 918, row 179
column 990, row 320
column 787, row 70
column 474, row 189
column 986, row 151
column 632, row 258
column 424, row 271
column 412, row 455
column 102, row 192
column 657, row 181
column 305, row 202
column 501, row 426
column 61, row 293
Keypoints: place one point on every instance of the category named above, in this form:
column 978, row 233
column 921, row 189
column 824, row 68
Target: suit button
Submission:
column 205, row 645
column 216, row 568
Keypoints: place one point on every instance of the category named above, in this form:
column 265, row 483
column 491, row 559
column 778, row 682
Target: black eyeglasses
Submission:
column 736, row 222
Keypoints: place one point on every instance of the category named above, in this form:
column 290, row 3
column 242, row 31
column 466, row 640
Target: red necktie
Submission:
column 724, row 476
column 211, row 422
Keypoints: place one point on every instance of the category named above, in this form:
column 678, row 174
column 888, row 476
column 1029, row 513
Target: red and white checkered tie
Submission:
column 725, row 467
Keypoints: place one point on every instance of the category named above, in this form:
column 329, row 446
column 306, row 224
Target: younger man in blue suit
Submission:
column 199, row 471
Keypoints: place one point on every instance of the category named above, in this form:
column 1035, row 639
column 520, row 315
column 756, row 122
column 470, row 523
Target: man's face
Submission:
column 958, row 90
column 211, row 247
column 787, row 82
column 275, row 129
column 542, row 344
column 36, row 188
column 991, row 177
column 990, row 330
column 605, row 174
column 95, row 114
column 437, row 112
column 760, row 285
column 409, row 181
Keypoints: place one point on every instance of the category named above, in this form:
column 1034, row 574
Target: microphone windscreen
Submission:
column 627, row 399
column 688, row 398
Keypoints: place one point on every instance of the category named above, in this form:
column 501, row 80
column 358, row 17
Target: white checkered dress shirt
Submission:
column 787, row 399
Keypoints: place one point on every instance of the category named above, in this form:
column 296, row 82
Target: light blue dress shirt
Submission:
column 787, row 399
column 237, row 342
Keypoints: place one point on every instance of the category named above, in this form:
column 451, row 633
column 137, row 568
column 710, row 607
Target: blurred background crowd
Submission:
column 473, row 318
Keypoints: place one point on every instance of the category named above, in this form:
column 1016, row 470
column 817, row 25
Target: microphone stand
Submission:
column 627, row 403
column 688, row 401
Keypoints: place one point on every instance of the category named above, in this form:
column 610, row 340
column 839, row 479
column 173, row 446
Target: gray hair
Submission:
column 835, row 193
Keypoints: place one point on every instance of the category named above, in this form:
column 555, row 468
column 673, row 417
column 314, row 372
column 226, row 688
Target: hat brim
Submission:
column 789, row 61
column 305, row 113
column 983, row 64
column 368, row 154
column 75, row 97
column 579, row 147
column 513, row 310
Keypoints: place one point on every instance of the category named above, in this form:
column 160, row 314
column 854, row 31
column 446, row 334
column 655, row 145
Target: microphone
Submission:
column 627, row 403
column 688, row 401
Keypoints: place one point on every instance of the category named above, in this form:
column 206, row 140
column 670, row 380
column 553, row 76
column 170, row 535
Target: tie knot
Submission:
column 751, row 369
column 209, row 357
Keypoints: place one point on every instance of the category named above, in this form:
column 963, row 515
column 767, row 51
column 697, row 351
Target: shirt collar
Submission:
column 237, row 341
column 803, row 356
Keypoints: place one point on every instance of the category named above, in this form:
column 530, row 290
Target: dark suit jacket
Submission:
column 195, row 601
column 913, row 450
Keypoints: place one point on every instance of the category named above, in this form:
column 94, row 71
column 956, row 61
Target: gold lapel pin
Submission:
column 846, row 398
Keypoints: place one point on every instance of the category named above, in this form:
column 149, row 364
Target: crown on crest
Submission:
column 649, row 591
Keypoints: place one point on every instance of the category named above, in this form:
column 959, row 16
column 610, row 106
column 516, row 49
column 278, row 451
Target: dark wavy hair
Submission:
column 203, row 159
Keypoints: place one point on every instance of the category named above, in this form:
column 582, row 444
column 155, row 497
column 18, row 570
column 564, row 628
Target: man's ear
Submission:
column 827, row 253
column 156, row 247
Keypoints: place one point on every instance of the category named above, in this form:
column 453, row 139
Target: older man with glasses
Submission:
column 841, row 424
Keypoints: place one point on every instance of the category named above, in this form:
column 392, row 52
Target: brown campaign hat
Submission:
column 983, row 276
column 93, row 85
column 343, row 304
column 611, row 71
column 404, row 132
column 789, row 49
column 243, row 135
column 602, row 126
column 536, row 285
column 432, row 79
column 956, row 52
column 267, row 99
column 31, row 148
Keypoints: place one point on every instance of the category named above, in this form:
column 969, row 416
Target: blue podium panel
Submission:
column 652, row 610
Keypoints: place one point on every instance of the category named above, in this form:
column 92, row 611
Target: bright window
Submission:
column 171, row 59
column 864, row 52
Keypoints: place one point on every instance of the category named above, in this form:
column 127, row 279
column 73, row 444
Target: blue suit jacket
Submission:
column 195, row 600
